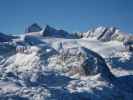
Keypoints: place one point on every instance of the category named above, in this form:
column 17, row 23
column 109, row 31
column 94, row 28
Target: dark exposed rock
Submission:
column 95, row 64
column 50, row 31
column 128, row 43
column 6, row 38
column 33, row 28
column 86, row 62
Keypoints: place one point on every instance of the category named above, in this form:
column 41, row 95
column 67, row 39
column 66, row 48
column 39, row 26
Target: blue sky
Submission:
column 71, row 15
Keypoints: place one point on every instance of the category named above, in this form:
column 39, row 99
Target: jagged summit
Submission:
column 33, row 28
column 99, row 33
column 105, row 34
column 47, row 31
column 50, row 31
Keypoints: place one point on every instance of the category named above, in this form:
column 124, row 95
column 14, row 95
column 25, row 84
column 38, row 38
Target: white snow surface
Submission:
column 52, row 70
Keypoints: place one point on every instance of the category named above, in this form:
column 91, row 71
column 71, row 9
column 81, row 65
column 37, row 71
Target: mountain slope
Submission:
column 48, row 31
column 6, row 38
column 105, row 34
column 33, row 28
column 55, row 67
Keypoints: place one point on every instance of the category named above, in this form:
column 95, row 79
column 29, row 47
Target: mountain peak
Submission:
column 6, row 38
column 33, row 28
column 103, row 33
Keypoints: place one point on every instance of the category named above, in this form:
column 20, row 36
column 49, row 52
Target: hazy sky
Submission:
column 71, row 15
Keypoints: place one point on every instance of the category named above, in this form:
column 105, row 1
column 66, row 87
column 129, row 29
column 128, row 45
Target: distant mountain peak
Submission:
column 6, row 38
column 103, row 33
column 50, row 31
column 33, row 28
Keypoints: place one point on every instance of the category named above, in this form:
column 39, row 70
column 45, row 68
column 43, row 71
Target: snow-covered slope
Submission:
column 6, row 38
column 104, row 34
column 105, row 49
column 49, row 67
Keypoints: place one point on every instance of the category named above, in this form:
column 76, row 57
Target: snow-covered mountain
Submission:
column 50, row 64
column 6, row 38
column 48, row 31
column 104, row 34
column 33, row 28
